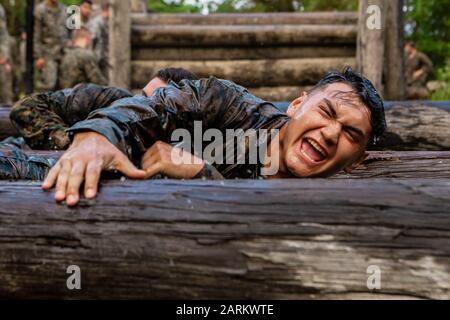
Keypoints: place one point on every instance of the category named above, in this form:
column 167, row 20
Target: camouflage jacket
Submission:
column 42, row 118
column 133, row 124
column 50, row 30
column 80, row 66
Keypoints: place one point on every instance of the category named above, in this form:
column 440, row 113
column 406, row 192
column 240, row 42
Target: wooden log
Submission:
column 247, row 36
column 287, row 93
column 120, row 43
column 247, row 19
column 283, row 239
column 6, row 127
column 250, row 73
column 182, row 53
column 380, row 164
column 371, row 40
column 394, row 68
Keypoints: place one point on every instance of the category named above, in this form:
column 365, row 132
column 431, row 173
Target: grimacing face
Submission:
column 328, row 131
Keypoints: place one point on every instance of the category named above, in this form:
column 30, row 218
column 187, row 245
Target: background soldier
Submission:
column 85, row 13
column 79, row 64
column 99, row 30
column 5, row 61
column 50, row 37
column 418, row 67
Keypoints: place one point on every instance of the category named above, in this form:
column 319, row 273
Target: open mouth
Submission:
column 312, row 151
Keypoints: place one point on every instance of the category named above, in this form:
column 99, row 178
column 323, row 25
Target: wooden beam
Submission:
column 283, row 239
column 394, row 68
column 120, row 43
column 246, row 36
column 239, row 53
column 316, row 18
column 370, row 49
column 251, row 73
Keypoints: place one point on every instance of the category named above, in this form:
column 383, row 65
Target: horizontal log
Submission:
column 247, row 18
column 282, row 239
column 288, row 93
column 380, row 164
column 6, row 128
column 249, row 73
column 248, row 36
column 231, row 53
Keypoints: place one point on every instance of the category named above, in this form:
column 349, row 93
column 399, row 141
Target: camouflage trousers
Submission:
column 15, row 164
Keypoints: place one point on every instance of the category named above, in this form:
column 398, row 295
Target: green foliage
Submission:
column 443, row 75
column 171, row 6
column 431, row 27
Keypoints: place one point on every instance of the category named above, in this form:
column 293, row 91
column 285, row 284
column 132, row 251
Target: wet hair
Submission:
column 175, row 74
column 365, row 90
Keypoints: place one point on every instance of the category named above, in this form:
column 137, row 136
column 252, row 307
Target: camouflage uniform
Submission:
column 416, row 87
column 79, row 65
column 98, row 27
column 50, row 37
column 133, row 124
column 5, row 75
column 42, row 118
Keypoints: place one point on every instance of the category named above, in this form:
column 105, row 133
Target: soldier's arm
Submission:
column 426, row 63
column 41, row 119
column 135, row 124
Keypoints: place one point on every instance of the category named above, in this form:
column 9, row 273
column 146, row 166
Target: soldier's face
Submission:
column 85, row 10
column 328, row 131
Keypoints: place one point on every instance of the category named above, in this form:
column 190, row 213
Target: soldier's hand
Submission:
column 172, row 162
column 89, row 154
column 40, row 63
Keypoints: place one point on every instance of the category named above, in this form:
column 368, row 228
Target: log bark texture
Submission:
column 294, row 239
column 246, row 36
column 6, row 128
column 248, row 19
column 224, row 53
column 249, row 73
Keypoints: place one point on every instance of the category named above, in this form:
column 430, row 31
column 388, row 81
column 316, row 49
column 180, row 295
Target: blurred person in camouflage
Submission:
column 51, row 35
column 99, row 30
column 5, row 61
column 79, row 64
column 417, row 69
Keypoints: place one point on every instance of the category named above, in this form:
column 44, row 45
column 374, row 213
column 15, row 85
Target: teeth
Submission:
column 317, row 147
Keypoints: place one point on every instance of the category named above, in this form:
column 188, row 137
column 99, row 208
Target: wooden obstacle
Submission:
column 260, row 51
column 283, row 239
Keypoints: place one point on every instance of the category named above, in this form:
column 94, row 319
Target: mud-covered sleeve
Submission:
column 134, row 124
column 41, row 119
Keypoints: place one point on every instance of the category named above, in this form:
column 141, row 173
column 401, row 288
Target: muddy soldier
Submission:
column 50, row 37
column 418, row 68
column 5, row 61
column 79, row 64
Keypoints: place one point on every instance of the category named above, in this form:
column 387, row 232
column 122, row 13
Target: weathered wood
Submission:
column 248, row 19
column 248, row 36
column 394, row 65
column 120, row 43
column 6, row 128
column 287, row 93
column 370, row 47
column 243, row 53
column 294, row 239
column 250, row 73
column 416, row 126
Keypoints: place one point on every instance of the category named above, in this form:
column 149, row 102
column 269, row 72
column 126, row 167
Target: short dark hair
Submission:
column 366, row 91
column 175, row 74
column 86, row 1
column 411, row 43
